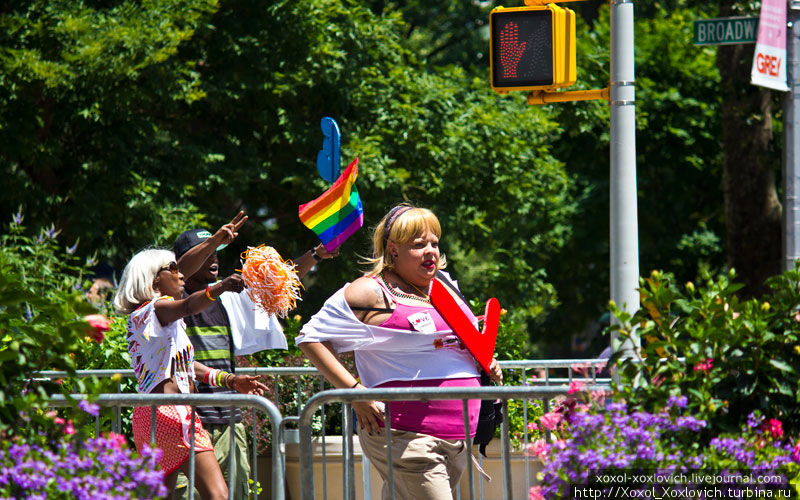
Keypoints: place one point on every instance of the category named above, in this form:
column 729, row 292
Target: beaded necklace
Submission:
column 425, row 298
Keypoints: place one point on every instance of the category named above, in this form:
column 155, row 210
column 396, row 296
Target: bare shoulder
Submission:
column 363, row 292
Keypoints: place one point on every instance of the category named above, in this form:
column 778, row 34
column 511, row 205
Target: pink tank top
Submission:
column 443, row 419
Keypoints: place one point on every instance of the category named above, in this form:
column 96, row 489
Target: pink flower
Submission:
column 575, row 386
column 550, row 420
column 69, row 429
column 59, row 421
column 582, row 369
column 99, row 324
column 117, row 440
column 539, row 449
column 796, row 452
column 536, row 493
column 774, row 427
column 705, row 365
column 598, row 397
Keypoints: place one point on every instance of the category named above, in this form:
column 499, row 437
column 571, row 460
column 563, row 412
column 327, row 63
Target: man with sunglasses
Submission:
column 227, row 324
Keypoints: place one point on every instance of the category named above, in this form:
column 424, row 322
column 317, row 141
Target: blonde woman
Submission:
column 400, row 340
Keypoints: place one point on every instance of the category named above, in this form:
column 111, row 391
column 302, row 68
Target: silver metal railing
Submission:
column 536, row 376
column 547, row 372
column 348, row 396
column 233, row 400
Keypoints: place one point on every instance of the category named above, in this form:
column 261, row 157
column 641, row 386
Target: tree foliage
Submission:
column 124, row 123
column 135, row 120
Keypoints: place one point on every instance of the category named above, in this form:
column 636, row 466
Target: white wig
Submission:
column 136, row 284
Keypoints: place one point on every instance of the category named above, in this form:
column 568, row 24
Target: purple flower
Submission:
column 51, row 232
column 90, row 408
column 677, row 402
column 754, row 420
column 17, row 218
column 91, row 469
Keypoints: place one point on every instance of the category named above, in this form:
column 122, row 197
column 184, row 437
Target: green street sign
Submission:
column 725, row 30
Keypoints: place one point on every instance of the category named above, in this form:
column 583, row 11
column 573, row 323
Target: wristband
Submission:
column 205, row 378
column 314, row 254
column 208, row 294
column 229, row 379
column 354, row 385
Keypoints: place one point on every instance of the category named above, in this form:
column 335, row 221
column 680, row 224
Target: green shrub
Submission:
column 729, row 357
column 42, row 325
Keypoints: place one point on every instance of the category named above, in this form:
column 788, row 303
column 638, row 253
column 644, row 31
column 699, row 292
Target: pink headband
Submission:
column 391, row 218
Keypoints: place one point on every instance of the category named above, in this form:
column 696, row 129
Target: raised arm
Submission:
column 168, row 311
column 192, row 260
column 305, row 262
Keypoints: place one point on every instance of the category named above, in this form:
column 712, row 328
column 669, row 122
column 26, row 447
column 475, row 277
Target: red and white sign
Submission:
column 769, row 60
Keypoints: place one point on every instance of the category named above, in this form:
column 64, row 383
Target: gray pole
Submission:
column 624, row 238
column 791, row 137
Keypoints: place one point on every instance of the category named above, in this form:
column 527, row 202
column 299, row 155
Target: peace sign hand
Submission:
column 227, row 233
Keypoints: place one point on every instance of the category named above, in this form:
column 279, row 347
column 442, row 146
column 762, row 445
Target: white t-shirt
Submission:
column 387, row 354
column 252, row 329
column 158, row 352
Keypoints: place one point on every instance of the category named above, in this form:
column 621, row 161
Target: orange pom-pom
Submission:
column 272, row 282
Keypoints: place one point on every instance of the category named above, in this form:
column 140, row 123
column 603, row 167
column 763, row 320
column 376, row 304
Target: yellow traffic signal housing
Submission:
column 532, row 48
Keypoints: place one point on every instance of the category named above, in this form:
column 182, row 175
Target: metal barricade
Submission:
column 348, row 396
column 193, row 400
column 531, row 375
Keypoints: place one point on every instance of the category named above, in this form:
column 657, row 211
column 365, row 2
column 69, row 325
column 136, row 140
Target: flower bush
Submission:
column 45, row 320
column 47, row 324
column 614, row 438
column 712, row 388
column 728, row 356
column 65, row 464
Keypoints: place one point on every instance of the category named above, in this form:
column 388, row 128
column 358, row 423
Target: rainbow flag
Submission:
column 338, row 213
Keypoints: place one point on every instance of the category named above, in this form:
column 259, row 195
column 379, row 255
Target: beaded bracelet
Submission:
column 217, row 378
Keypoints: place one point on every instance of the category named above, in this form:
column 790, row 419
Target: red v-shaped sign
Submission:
column 480, row 344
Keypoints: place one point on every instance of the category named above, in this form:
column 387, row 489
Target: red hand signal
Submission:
column 480, row 344
column 511, row 49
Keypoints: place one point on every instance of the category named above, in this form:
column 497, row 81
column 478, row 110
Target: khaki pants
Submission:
column 424, row 467
column 220, row 438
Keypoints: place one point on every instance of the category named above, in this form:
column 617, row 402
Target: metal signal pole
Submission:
column 791, row 136
column 624, row 238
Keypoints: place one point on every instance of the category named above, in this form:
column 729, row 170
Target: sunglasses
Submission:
column 171, row 267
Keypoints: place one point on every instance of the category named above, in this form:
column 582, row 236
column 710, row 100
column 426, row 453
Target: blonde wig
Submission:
column 136, row 284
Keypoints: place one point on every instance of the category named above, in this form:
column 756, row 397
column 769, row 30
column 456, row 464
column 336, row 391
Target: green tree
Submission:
column 134, row 120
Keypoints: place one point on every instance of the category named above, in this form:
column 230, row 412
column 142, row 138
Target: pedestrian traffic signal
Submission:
column 532, row 48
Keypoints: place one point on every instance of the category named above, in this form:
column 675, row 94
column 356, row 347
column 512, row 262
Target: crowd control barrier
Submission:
column 193, row 400
column 348, row 396
column 306, row 389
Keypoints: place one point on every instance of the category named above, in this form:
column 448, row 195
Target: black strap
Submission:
column 443, row 278
column 375, row 309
